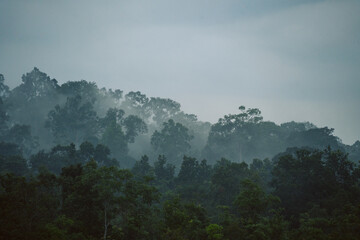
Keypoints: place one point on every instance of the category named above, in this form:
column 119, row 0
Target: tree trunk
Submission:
column 105, row 223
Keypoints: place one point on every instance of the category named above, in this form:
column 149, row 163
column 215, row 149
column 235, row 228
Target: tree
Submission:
column 107, row 201
column 189, row 171
column 136, row 103
column 35, row 84
column 113, row 135
column 260, row 171
column 162, row 109
column 226, row 181
column 4, row 89
column 311, row 177
column 318, row 138
column 163, row 170
column 27, row 205
column 56, row 159
column 231, row 137
column 4, row 118
column 13, row 164
column 10, row 149
column 82, row 201
column 16, row 134
column 30, row 102
column 102, row 156
column 252, row 202
column 184, row 221
column 164, row 175
column 193, row 181
column 109, row 187
column 75, row 122
column 172, row 141
column 354, row 152
column 134, row 126
column 214, row 232
column 119, row 131
column 88, row 91
column 21, row 135
column 142, row 168
column 61, row 156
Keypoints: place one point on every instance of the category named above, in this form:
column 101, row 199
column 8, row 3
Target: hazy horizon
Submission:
column 294, row 60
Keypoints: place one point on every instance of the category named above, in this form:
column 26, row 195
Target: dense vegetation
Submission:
column 79, row 162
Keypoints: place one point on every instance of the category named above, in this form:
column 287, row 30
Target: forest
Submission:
column 82, row 162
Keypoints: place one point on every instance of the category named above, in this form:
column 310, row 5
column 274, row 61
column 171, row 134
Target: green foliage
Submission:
column 9, row 149
column 193, row 180
column 62, row 156
column 163, row 170
column 252, row 202
column 64, row 192
column 184, row 221
column 134, row 126
column 325, row 178
column 21, row 136
column 13, row 164
column 107, row 197
column 173, row 141
column 244, row 136
column 226, row 181
column 4, row 118
column 27, row 205
column 29, row 103
column 4, row 89
column 35, row 84
column 318, row 138
column 214, row 232
column 260, row 171
column 113, row 125
column 75, row 121
column 142, row 168
column 114, row 138
column 87, row 91
column 91, row 201
column 163, row 109
column 241, row 137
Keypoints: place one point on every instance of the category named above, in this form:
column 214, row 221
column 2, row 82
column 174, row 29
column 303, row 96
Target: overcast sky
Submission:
column 294, row 60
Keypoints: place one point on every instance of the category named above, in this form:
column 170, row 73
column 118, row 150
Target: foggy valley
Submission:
column 197, row 120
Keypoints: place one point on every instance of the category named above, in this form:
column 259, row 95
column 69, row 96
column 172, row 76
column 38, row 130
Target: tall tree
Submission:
column 226, row 181
column 312, row 177
column 163, row 170
column 173, row 141
column 22, row 136
column 119, row 131
column 88, row 91
column 231, row 137
column 142, row 168
column 30, row 102
column 4, row 89
column 75, row 121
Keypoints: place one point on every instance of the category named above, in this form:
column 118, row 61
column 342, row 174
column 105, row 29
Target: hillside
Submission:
column 40, row 114
column 82, row 162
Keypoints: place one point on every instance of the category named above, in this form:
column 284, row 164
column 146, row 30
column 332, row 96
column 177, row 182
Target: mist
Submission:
column 187, row 120
column 295, row 61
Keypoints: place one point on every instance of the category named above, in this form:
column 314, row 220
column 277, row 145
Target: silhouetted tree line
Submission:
column 71, row 193
column 40, row 113
column 79, row 162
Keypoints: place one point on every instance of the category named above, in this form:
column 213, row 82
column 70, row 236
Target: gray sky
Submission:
column 295, row 60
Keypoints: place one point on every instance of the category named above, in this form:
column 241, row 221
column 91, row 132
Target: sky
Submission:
column 294, row 60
